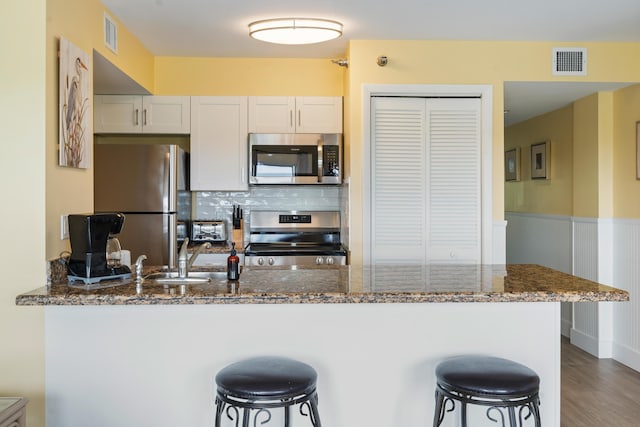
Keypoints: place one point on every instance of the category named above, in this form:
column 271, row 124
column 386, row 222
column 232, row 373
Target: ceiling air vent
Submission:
column 110, row 33
column 569, row 61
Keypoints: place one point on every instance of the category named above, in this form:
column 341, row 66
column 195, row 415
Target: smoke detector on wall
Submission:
column 569, row 61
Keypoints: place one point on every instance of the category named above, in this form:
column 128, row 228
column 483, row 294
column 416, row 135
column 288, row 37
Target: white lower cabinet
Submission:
column 219, row 143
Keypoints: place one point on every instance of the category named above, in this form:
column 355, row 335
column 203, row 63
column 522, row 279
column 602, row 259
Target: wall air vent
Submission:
column 569, row 61
column 110, row 33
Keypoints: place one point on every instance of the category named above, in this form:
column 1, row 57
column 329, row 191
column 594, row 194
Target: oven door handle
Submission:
column 320, row 163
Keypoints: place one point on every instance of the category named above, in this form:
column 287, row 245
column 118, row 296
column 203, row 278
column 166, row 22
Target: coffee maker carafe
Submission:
column 89, row 234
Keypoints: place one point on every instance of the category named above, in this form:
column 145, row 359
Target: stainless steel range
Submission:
column 294, row 238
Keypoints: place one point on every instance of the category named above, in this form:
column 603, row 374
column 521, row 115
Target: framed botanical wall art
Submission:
column 541, row 160
column 638, row 150
column 512, row 164
column 76, row 132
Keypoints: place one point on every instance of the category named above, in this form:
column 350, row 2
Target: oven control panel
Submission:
column 295, row 219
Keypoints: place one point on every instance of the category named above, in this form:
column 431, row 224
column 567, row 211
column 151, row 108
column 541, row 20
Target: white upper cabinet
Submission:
column 301, row 114
column 141, row 114
column 219, row 143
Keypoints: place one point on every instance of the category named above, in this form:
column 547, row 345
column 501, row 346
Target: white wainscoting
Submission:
column 584, row 332
column 544, row 240
column 603, row 250
column 626, row 267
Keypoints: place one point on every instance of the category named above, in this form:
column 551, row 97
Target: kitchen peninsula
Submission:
column 147, row 355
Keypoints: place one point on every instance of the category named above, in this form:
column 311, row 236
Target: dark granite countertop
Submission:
column 348, row 284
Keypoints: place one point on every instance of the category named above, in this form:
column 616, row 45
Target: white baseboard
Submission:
column 565, row 328
column 599, row 349
column 626, row 356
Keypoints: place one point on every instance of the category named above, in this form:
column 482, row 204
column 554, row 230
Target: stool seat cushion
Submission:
column 487, row 375
column 266, row 377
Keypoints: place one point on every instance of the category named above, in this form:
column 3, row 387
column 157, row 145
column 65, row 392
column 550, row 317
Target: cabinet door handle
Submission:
column 290, row 118
column 144, row 117
column 242, row 175
column 135, row 117
column 299, row 118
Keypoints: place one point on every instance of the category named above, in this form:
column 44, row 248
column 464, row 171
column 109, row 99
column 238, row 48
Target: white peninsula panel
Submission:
column 155, row 365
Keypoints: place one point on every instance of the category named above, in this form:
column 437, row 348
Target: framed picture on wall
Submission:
column 540, row 160
column 638, row 150
column 512, row 164
column 75, row 94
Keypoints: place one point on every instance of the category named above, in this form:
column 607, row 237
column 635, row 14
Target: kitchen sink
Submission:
column 193, row 278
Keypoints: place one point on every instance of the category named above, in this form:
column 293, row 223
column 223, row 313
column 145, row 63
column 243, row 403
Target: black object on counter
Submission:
column 233, row 264
column 88, row 235
column 237, row 216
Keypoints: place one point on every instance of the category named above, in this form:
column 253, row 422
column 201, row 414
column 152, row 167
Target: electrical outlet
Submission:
column 64, row 227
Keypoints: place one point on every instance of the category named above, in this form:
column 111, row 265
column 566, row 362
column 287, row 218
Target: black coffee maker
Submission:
column 89, row 234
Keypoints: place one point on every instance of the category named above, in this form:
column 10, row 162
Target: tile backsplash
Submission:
column 208, row 205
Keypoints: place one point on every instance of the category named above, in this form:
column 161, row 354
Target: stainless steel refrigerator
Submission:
column 149, row 184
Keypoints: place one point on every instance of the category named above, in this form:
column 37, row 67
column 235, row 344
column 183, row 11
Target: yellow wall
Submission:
column 248, row 76
column 552, row 196
column 585, row 160
column 605, row 155
column 602, row 128
column 594, row 156
column 626, row 187
column 22, row 178
column 464, row 62
column 70, row 190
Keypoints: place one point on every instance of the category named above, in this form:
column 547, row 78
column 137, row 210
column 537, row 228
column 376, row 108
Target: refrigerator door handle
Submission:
column 172, row 235
column 170, row 191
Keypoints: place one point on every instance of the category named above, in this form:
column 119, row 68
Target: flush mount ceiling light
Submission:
column 295, row 30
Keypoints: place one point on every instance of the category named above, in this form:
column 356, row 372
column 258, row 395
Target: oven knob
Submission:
column 319, row 260
column 330, row 260
column 271, row 261
column 260, row 261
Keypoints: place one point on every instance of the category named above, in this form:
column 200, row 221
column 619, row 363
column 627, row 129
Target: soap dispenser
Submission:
column 233, row 264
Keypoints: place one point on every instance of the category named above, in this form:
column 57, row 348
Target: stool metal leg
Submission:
column 315, row 415
column 442, row 401
column 534, row 410
column 219, row 409
column 463, row 414
column 287, row 415
column 512, row 417
column 438, row 413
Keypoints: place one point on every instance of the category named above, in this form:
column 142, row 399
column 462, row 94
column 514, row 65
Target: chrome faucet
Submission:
column 139, row 261
column 184, row 262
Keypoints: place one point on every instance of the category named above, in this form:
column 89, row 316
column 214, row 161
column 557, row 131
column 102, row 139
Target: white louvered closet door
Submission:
column 398, row 180
column 425, row 180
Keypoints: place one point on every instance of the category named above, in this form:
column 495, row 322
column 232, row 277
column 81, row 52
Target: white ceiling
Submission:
column 218, row 28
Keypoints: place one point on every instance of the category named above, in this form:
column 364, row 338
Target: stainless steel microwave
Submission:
column 300, row 158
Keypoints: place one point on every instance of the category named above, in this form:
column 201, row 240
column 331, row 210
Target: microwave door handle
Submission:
column 320, row 165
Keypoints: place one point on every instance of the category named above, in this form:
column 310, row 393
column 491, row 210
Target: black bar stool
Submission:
column 500, row 384
column 255, row 386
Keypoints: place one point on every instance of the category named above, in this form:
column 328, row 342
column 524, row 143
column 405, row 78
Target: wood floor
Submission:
column 597, row 392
